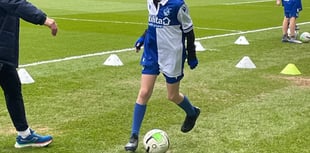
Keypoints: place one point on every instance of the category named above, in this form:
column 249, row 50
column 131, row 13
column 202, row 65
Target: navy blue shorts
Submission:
column 154, row 70
column 291, row 9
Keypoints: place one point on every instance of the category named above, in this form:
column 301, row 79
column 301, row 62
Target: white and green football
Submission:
column 305, row 37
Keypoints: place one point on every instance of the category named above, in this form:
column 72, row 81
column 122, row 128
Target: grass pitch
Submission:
column 87, row 107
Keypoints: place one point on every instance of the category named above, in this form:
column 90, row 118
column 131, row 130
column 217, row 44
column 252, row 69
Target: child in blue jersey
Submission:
column 291, row 13
column 165, row 52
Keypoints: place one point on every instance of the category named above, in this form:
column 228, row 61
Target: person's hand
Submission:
column 139, row 43
column 192, row 62
column 52, row 25
column 278, row 2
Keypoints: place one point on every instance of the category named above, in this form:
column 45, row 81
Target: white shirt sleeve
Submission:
column 185, row 19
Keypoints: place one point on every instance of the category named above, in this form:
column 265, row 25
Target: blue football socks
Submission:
column 187, row 107
column 138, row 116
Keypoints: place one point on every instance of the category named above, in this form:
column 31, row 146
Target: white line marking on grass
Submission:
column 100, row 21
column 250, row 2
column 134, row 23
column 77, row 57
column 245, row 32
column 216, row 29
column 138, row 23
column 131, row 49
column 238, row 33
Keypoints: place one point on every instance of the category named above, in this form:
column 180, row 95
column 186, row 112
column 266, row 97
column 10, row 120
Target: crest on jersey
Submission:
column 167, row 11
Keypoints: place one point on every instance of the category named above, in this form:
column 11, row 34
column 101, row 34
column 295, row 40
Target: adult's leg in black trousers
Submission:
column 11, row 85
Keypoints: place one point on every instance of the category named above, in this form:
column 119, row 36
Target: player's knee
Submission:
column 145, row 94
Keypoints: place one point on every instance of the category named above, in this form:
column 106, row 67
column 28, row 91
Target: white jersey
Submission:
column 164, row 39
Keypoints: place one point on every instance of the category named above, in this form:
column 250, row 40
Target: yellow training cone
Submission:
column 290, row 69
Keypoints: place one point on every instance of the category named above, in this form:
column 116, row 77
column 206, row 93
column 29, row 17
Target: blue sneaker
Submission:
column 33, row 140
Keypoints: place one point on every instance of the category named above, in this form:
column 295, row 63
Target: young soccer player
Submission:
column 291, row 13
column 164, row 51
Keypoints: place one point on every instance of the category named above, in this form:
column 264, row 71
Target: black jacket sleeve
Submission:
column 24, row 10
column 191, row 48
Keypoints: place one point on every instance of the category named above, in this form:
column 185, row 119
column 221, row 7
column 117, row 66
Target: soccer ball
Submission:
column 156, row 141
column 305, row 37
